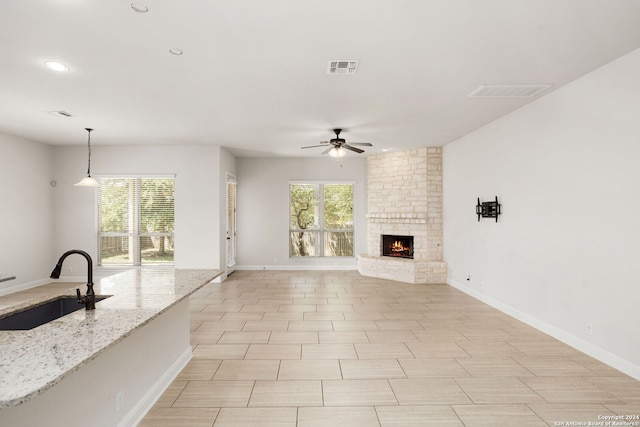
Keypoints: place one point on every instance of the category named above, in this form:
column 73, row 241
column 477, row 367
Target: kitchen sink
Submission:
column 43, row 313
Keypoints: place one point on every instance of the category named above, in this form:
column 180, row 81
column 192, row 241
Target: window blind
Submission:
column 136, row 220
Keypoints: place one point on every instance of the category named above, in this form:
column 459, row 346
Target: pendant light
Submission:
column 88, row 181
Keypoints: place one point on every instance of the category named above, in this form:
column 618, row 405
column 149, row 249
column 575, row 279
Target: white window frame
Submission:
column 133, row 219
column 319, row 229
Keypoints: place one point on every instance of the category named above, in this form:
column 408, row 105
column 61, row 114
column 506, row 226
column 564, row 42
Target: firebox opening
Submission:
column 397, row 246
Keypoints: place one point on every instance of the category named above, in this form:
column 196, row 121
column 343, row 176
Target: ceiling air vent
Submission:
column 60, row 113
column 507, row 91
column 342, row 67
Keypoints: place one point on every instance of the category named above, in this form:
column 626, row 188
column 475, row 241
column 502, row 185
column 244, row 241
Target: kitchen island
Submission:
column 101, row 367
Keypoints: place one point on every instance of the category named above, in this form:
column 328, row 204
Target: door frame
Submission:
column 231, row 224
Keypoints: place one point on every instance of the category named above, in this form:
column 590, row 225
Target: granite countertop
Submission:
column 33, row 361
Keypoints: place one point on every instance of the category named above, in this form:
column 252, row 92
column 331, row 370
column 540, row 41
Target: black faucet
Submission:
column 89, row 300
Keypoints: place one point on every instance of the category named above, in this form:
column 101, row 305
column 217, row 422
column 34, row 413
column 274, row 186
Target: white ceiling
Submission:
column 253, row 75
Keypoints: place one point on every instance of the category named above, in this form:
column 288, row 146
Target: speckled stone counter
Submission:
column 33, row 361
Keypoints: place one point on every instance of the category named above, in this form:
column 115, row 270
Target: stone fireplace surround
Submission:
column 404, row 192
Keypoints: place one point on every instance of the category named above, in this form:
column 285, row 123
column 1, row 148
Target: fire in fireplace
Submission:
column 397, row 246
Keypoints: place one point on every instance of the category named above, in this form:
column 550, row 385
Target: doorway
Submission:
column 232, row 185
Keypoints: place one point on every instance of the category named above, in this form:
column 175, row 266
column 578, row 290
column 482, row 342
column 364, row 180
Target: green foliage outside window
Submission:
column 136, row 221
column 321, row 219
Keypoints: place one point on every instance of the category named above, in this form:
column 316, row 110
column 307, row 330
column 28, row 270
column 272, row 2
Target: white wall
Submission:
column 566, row 249
column 263, row 208
column 25, row 211
column 198, row 198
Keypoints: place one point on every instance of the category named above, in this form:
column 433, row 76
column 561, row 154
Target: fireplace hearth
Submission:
column 396, row 246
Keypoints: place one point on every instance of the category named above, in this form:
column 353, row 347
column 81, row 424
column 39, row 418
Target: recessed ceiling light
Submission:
column 57, row 66
column 140, row 8
column 176, row 51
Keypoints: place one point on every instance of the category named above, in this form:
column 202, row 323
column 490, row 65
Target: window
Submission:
column 320, row 219
column 135, row 221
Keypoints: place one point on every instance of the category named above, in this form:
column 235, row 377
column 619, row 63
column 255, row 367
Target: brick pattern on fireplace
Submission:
column 404, row 192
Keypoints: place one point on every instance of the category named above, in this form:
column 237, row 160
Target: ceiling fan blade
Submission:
column 337, row 143
column 312, row 146
column 348, row 147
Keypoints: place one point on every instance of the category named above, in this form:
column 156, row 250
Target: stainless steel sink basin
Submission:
column 43, row 313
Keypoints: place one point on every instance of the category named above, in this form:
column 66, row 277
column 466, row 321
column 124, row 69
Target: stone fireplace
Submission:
column 404, row 198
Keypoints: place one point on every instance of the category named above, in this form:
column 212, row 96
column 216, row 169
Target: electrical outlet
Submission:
column 468, row 278
column 589, row 329
column 481, row 284
column 119, row 400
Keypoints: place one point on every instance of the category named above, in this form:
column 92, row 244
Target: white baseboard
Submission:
column 302, row 267
column 149, row 399
column 221, row 278
column 594, row 351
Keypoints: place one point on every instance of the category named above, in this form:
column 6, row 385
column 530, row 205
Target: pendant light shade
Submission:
column 88, row 181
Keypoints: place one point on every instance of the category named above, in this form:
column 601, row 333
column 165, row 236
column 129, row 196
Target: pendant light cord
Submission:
column 89, row 146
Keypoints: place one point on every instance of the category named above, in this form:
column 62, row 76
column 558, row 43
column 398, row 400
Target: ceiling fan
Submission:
column 337, row 145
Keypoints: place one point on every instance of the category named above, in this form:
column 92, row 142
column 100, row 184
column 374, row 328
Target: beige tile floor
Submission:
column 338, row 349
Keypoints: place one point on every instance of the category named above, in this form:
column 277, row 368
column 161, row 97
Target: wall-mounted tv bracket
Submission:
column 488, row 209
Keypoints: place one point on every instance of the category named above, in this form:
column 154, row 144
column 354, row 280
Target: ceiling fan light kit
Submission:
column 337, row 152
